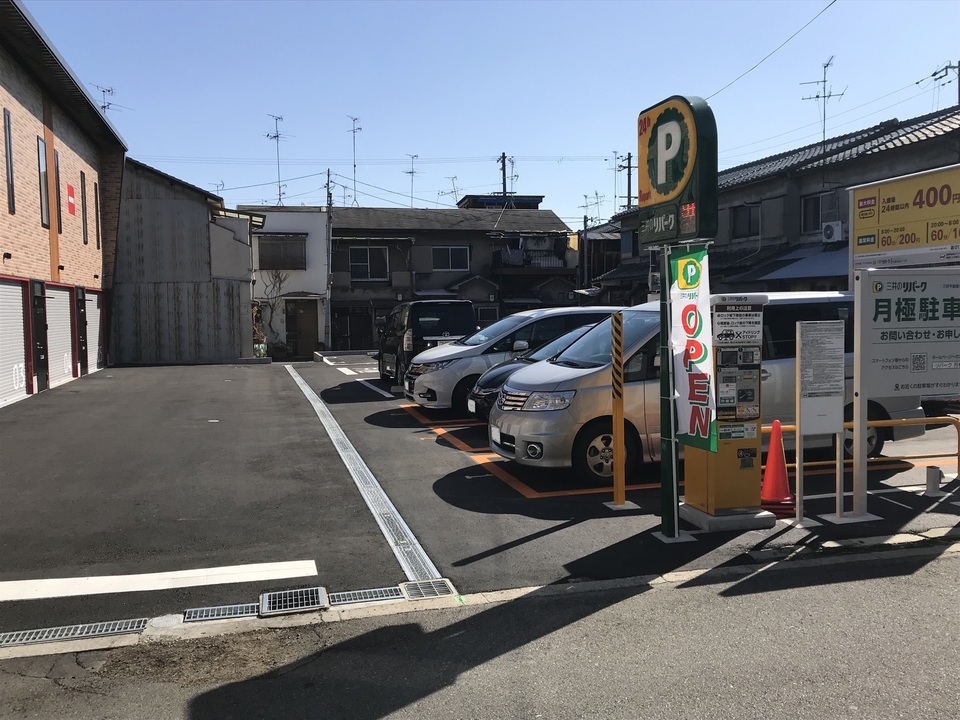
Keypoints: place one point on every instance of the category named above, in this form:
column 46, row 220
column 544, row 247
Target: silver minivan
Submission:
column 442, row 377
column 557, row 413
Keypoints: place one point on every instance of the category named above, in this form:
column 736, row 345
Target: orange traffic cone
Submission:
column 775, row 494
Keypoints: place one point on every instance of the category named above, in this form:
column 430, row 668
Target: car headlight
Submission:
column 431, row 367
column 549, row 400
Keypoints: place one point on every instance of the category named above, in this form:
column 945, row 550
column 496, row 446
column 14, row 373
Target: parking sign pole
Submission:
column 669, row 494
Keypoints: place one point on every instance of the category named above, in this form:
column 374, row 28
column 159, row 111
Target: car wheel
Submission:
column 593, row 452
column 458, row 400
column 875, row 435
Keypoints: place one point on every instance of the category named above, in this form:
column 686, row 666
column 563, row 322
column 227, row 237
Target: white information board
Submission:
column 820, row 377
column 909, row 331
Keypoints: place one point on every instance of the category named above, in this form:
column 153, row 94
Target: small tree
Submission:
column 272, row 293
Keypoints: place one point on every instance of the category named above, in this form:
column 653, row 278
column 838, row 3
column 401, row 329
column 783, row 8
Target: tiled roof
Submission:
column 885, row 136
column 723, row 263
column 413, row 219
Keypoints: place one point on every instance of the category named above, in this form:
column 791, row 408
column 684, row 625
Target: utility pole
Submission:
column 411, row 172
column 823, row 93
column 275, row 136
column 629, row 168
column 584, row 250
column 942, row 73
column 355, row 130
column 503, row 172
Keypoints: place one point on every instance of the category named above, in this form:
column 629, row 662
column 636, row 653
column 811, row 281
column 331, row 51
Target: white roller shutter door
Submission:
column 13, row 375
column 94, row 338
column 59, row 336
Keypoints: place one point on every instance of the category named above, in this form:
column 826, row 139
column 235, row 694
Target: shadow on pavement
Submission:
column 385, row 670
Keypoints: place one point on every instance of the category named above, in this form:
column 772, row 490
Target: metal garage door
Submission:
column 94, row 336
column 13, row 376
column 59, row 336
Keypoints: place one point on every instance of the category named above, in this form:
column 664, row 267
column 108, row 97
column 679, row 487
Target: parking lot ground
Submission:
column 147, row 470
column 134, row 471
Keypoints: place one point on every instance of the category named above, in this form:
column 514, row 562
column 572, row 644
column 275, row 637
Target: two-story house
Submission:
column 504, row 259
column 61, row 164
column 291, row 260
column 784, row 219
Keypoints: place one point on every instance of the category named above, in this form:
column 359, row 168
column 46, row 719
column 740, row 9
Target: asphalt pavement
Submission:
column 135, row 474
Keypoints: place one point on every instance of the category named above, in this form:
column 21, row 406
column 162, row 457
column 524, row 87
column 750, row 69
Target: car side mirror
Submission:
column 520, row 346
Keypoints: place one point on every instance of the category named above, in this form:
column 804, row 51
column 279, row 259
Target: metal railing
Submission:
column 946, row 420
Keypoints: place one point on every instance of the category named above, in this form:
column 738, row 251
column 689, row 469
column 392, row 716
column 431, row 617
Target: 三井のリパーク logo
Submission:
column 689, row 272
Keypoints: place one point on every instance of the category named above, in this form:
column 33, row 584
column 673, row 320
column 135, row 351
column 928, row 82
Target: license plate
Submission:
column 471, row 405
column 495, row 434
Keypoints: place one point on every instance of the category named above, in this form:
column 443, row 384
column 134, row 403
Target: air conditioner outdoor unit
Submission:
column 832, row 232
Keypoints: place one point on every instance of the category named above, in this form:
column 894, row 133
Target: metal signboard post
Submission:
column 819, row 386
column 906, row 342
column 677, row 201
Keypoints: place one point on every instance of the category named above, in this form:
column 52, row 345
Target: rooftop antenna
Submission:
column 355, row 130
column 104, row 103
column 455, row 192
column 598, row 201
column 823, row 94
column 411, row 172
column 275, row 136
column 513, row 176
column 219, row 185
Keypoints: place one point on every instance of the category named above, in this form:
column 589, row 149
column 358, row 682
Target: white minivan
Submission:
column 557, row 412
column 442, row 377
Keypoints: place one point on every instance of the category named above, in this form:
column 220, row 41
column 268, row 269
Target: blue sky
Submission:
column 557, row 86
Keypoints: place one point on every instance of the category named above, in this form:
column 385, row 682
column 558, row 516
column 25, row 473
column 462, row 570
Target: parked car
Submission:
column 441, row 377
column 557, row 413
column 484, row 393
column 412, row 327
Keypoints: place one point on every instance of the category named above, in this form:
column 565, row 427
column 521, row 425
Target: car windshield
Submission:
column 594, row 348
column 492, row 332
column 545, row 352
column 450, row 318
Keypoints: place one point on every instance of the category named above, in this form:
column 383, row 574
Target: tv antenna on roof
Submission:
column 824, row 94
column 276, row 135
column 411, row 172
column 355, row 130
column 104, row 103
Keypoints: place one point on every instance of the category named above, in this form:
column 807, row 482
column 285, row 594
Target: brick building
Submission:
column 62, row 167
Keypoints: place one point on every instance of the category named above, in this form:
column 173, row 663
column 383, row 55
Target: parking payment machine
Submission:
column 728, row 481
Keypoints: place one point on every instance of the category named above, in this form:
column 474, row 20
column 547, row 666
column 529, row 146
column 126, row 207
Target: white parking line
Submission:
column 100, row 585
column 407, row 549
column 376, row 389
column 346, row 371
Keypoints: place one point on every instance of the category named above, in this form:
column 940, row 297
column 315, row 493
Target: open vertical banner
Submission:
column 691, row 343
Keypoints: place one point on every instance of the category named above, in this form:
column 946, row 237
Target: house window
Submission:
column 283, row 253
column 44, row 188
column 368, row 263
column 819, row 209
column 83, row 207
column 56, row 175
column 451, row 258
column 96, row 213
column 8, row 152
column 746, row 221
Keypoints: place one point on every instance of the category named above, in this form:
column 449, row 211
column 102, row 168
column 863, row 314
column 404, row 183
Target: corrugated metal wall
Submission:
column 180, row 323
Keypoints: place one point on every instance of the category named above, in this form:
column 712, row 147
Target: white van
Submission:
column 557, row 413
column 442, row 377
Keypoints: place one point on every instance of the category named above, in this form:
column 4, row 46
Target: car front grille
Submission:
column 511, row 399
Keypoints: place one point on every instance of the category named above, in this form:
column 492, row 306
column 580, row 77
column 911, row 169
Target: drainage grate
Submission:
column 424, row 589
column 360, row 596
column 292, row 601
column 221, row 612
column 72, row 632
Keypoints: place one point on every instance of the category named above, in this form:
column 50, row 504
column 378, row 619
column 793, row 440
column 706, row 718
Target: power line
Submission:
column 829, row 5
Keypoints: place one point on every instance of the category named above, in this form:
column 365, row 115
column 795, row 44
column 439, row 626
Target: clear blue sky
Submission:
column 557, row 86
